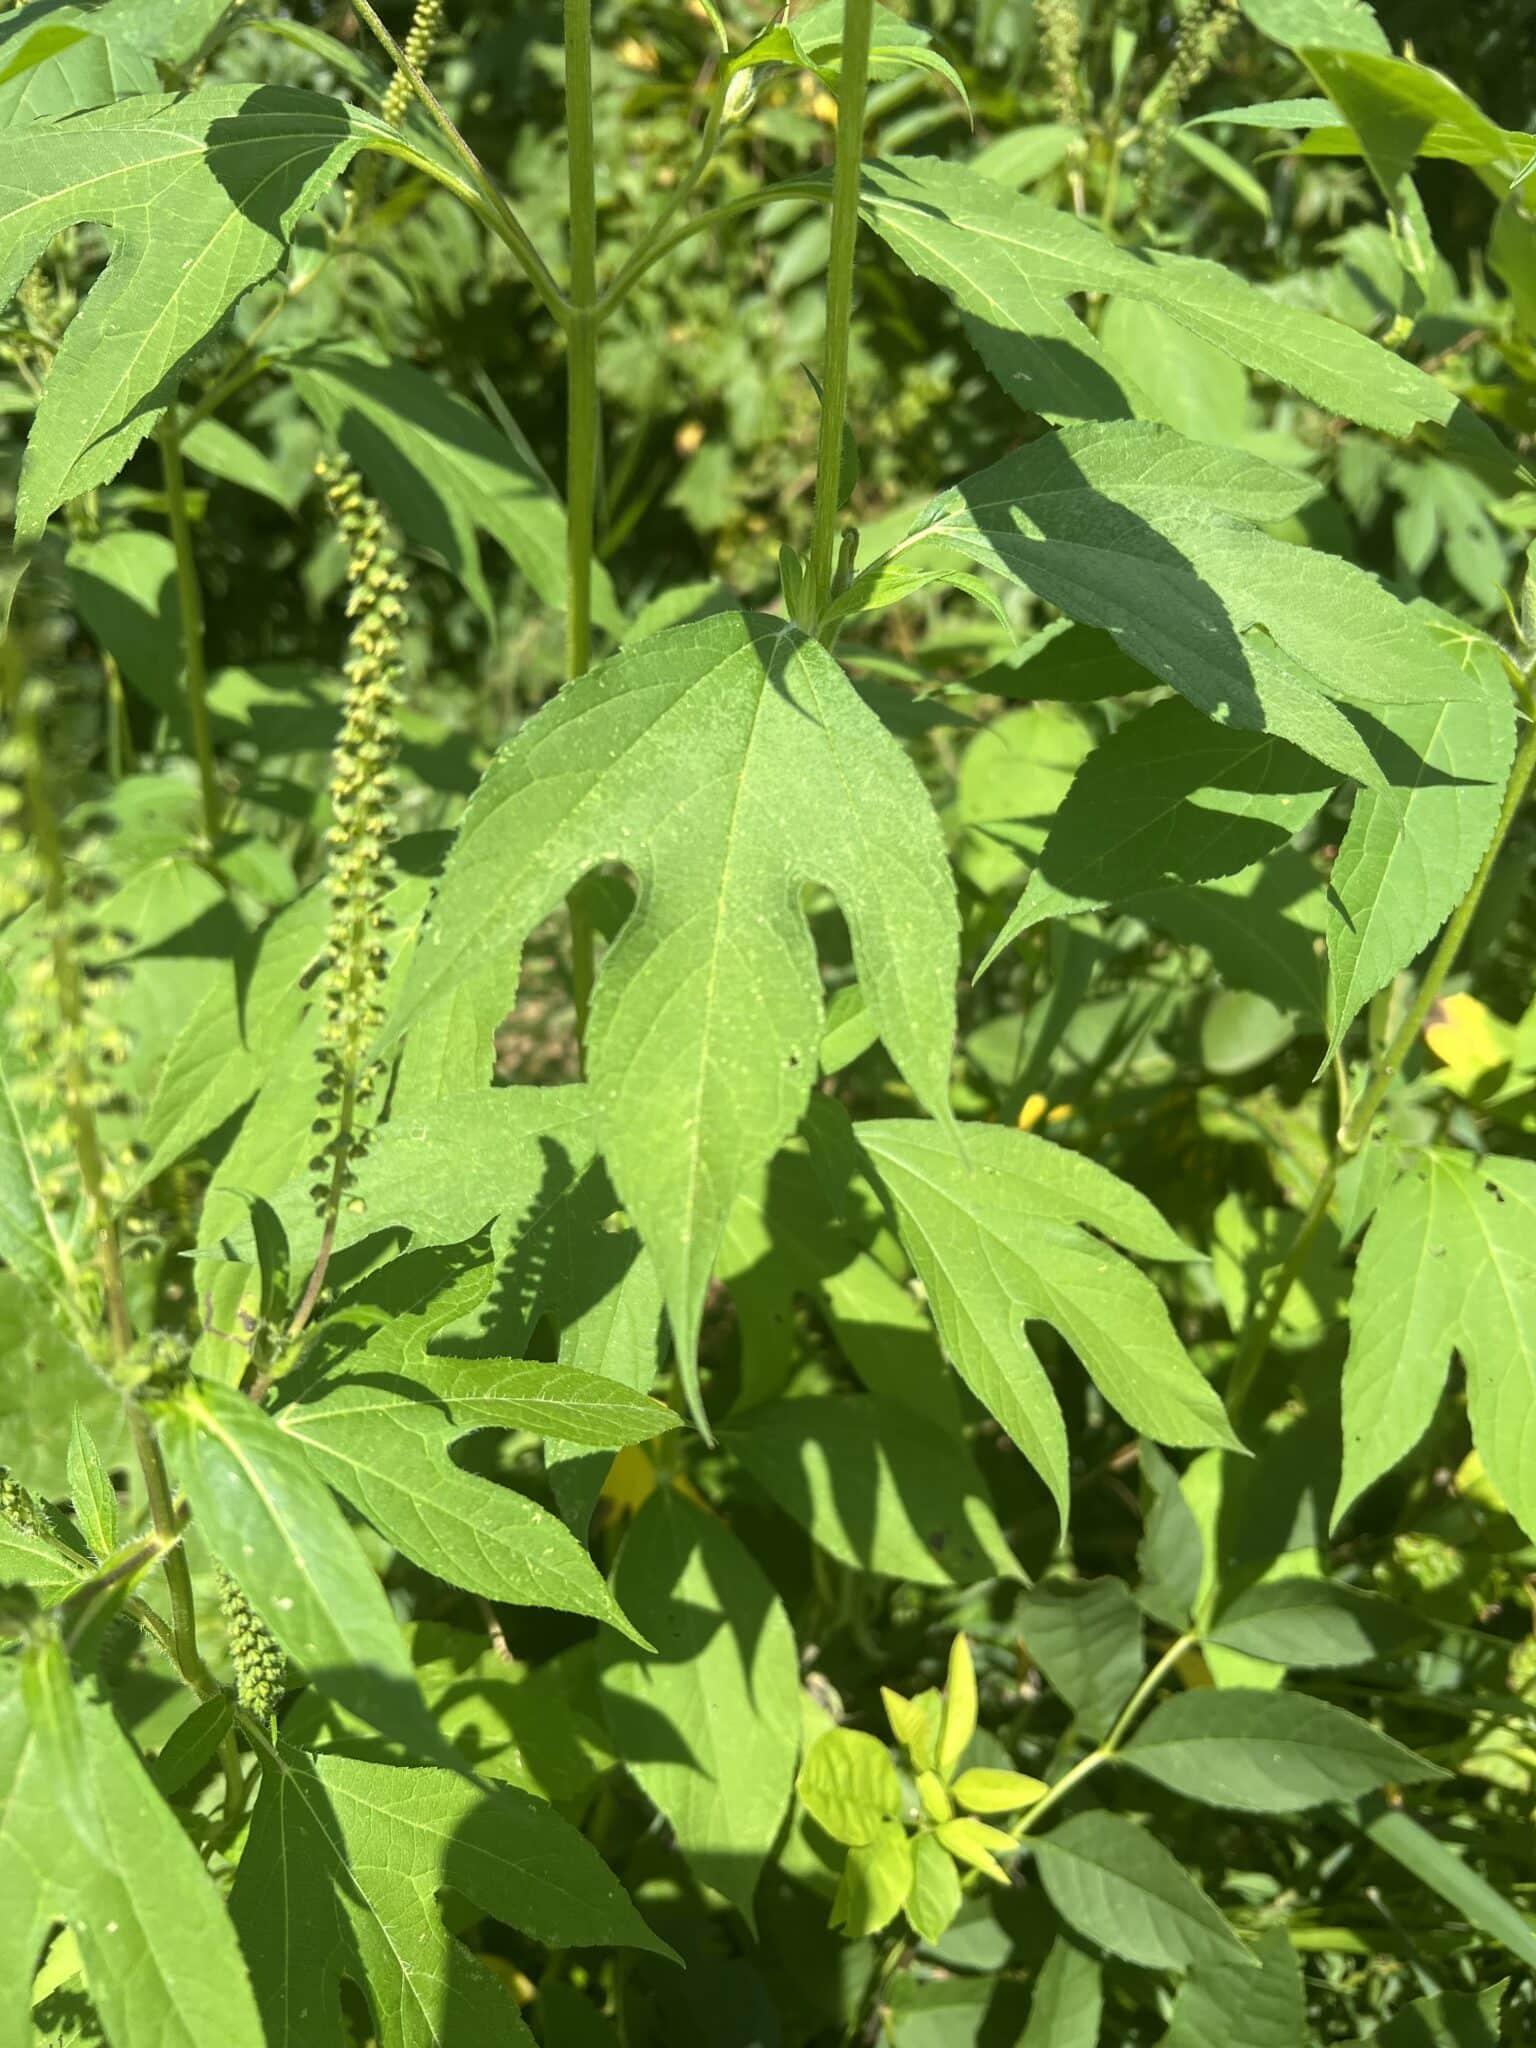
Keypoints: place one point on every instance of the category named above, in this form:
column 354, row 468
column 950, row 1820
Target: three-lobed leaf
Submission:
column 995, row 1225
column 730, row 764
column 197, row 194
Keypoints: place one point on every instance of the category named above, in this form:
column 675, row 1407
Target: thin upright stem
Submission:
column 178, row 1576
column 498, row 213
column 581, row 366
column 1356, row 1126
column 190, row 598
column 639, row 258
column 582, row 418
column 1110, row 1747
column 851, row 94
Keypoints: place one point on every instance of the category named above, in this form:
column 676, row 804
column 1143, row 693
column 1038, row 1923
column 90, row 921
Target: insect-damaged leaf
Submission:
column 197, row 194
column 995, row 1230
column 730, row 763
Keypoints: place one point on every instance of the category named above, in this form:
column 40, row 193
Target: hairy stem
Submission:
column 178, row 1576
column 1356, row 1126
column 190, row 597
column 852, row 89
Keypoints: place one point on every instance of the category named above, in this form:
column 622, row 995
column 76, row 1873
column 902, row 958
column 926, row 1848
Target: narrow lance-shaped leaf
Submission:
column 197, row 194
column 730, row 763
column 996, row 1233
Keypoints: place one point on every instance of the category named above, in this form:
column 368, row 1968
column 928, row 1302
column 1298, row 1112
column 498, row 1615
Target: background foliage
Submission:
column 1032, row 1547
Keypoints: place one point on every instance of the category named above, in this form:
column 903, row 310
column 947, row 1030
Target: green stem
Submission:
column 852, row 88
column 643, row 253
column 1110, row 1747
column 178, row 1576
column 1356, row 1126
column 190, row 597
column 497, row 212
column 581, row 444
column 744, row 202
column 582, row 417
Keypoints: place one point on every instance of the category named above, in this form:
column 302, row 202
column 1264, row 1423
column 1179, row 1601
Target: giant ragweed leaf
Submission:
column 197, row 195
column 381, row 1433
column 730, row 763
column 341, row 1879
column 1412, row 847
column 1449, row 1262
column 1010, row 263
column 724, row 1685
column 57, row 59
column 106, row 1855
column 996, row 1232
column 1169, row 797
column 1157, row 539
column 442, row 469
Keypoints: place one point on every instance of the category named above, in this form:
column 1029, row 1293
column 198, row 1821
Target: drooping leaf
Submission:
column 1413, row 846
column 1116, row 1884
column 1448, row 1262
column 1010, row 263
column 1169, row 797
column 1086, row 1636
column 935, row 1897
column 443, row 469
column 1266, row 1752
column 995, row 1229
column 341, row 1879
column 729, row 762
column 1330, row 24
column 269, row 1517
column 198, row 194
column 161, row 1956
column 876, row 1486
column 1153, row 537
column 710, row 1725
column 876, row 1882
